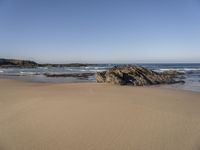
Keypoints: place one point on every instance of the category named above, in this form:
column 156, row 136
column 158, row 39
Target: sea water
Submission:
column 191, row 76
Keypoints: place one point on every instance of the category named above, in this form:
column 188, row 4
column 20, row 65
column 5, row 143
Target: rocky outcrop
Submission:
column 74, row 75
column 133, row 75
column 17, row 63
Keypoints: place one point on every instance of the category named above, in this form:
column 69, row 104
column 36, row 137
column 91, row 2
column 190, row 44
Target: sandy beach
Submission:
column 91, row 116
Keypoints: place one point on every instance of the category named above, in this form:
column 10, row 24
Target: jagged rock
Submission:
column 133, row 75
column 101, row 76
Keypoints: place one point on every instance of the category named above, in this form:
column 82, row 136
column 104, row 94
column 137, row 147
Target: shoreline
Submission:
column 164, row 86
column 80, row 74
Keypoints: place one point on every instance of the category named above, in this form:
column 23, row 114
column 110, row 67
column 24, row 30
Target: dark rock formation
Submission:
column 17, row 63
column 75, row 75
column 134, row 75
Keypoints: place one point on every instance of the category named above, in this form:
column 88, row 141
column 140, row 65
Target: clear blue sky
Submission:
column 100, row 30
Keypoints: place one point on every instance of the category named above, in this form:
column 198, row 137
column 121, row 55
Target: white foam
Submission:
column 1, row 71
column 168, row 69
column 83, row 70
column 191, row 69
column 27, row 73
column 101, row 67
column 98, row 70
column 179, row 69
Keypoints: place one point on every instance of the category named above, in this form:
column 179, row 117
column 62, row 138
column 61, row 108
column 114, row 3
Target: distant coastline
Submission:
column 7, row 63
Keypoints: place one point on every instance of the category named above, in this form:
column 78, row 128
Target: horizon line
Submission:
column 107, row 62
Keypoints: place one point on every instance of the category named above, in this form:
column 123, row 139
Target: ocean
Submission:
column 39, row 74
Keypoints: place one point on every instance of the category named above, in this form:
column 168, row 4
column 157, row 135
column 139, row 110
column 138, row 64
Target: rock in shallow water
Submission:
column 134, row 75
column 74, row 75
column 172, row 73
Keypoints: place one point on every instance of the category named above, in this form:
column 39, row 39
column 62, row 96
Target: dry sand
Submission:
column 90, row 116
